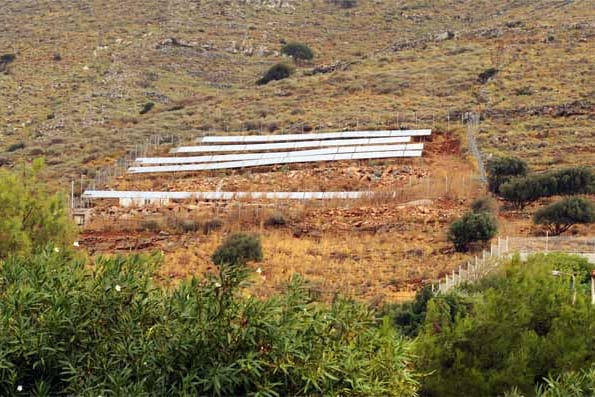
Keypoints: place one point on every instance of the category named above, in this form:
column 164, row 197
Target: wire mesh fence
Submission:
column 504, row 248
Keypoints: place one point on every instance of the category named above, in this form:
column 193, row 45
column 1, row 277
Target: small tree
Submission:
column 279, row 71
column 472, row 227
column 502, row 169
column 562, row 215
column 298, row 51
column 31, row 217
column 238, row 249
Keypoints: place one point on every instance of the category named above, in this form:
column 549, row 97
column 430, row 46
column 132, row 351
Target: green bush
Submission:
column 562, row 215
column 279, row 71
column 238, row 249
column 147, row 107
column 502, row 169
column 31, row 217
column 298, row 51
column 275, row 220
column 16, row 146
column 71, row 328
column 487, row 74
column 345, row 3
column 517, row 327
column 472, row 227
column 521, row 191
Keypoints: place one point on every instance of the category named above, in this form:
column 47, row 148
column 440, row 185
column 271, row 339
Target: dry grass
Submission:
column 83, row 109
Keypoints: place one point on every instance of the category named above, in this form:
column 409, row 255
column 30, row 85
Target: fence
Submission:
column 105, row 176
column 504, row 248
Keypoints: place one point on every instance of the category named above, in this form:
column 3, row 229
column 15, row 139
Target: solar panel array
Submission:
column 144, row 195
column 289, row 145
column 274, row 161
column 277, row 155
column 311, row 136
column 285, row 149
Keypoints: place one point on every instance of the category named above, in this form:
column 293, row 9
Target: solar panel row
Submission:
column 311, row 136
column 262, row 162
column 277, row 155
column 110, row 194
column 289, row 145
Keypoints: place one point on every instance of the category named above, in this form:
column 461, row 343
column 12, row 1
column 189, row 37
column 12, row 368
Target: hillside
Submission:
column 84, row 70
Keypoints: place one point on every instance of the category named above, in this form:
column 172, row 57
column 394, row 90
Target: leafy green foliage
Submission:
column 472, row 227
column 408, row 317
column 279, row 71
column 521, row 191
column 67, row 328
column 562, row 215
column 31, row 217
column 238, row 249
column 517, row 328
column 298, row 51
column 502, row 169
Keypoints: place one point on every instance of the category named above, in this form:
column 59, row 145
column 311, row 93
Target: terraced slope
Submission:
column 83, row 70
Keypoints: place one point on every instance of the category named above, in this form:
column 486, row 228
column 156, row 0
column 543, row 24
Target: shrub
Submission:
column 279, row 71
column 16, row 146
column 561, row 216
column 189, row 226
column 487, row 74
column 31, row 217
column 212, row 225
column 483, row 204
column 471, row 228
column 520, row 326
column 74, row 328
column 345, row 3
column 521, row 191
column 238, row 249
column 502, row 169
column 298, row 51
column 147, row 107
column 150, row 225
column 275, row 220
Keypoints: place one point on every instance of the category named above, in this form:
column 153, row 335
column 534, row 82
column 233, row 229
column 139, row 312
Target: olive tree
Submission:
column 562, row 215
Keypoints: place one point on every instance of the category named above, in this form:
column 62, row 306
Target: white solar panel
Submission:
column 277, row 155
column 290, row 145
column 144, row 195
column 311, row 136
column 273, row 161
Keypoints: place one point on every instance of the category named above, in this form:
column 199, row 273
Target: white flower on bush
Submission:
column 118, row 288
column 217, row 285
column 19, row 388
column 75, row 244
column 259, row 270
column 56, row 249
